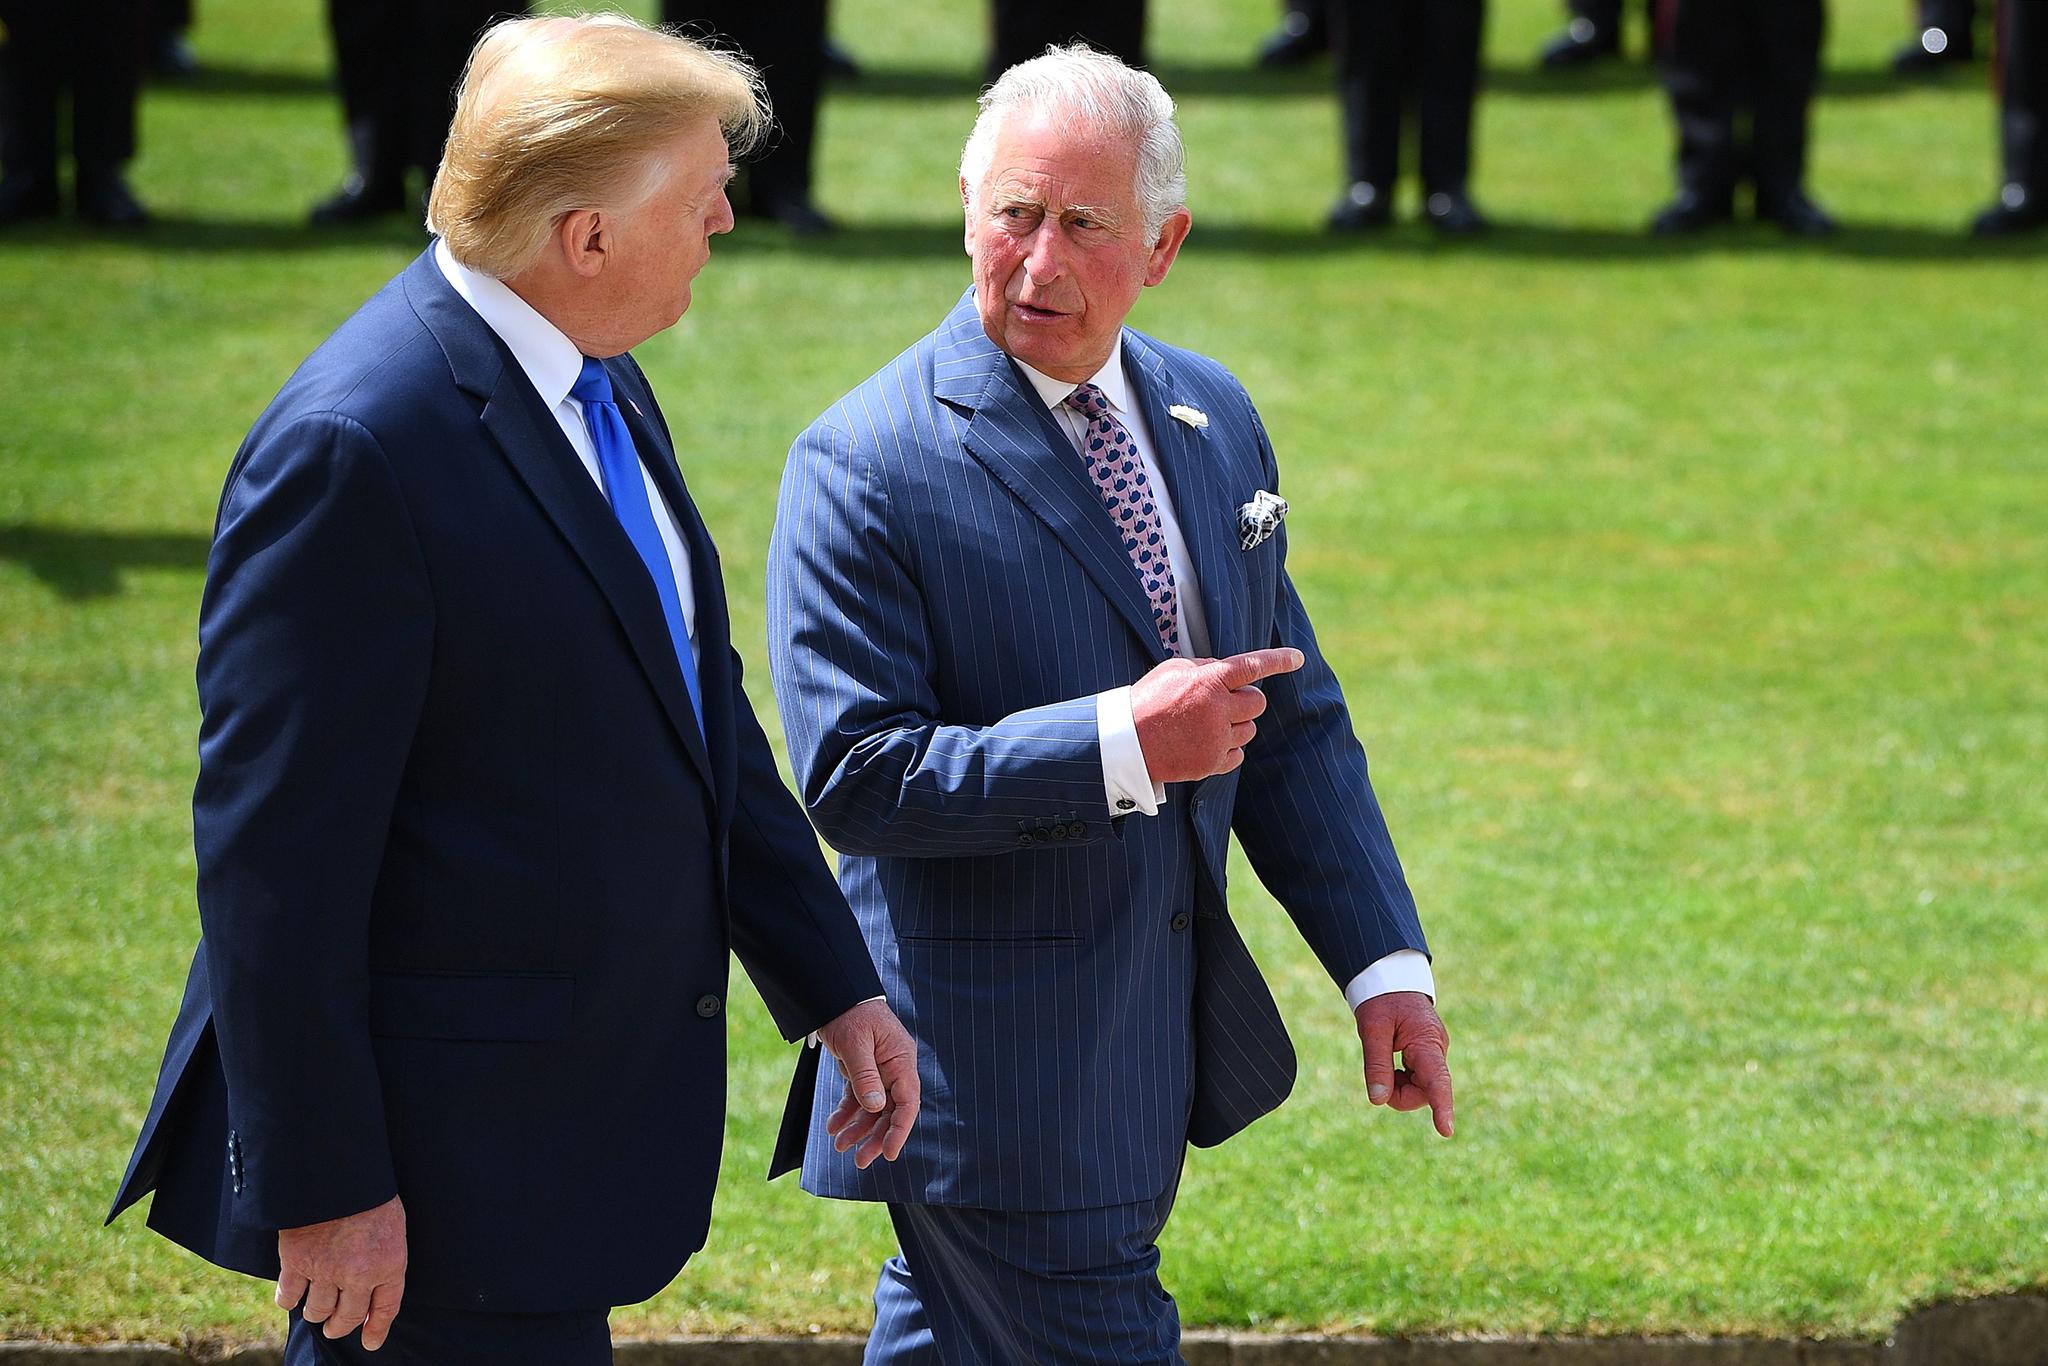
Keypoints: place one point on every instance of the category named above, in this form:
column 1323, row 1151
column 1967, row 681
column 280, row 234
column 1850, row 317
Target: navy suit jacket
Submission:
column 468, row 871
column 946, row 595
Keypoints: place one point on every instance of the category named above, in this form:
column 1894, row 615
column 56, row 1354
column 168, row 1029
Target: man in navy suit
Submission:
column 1022, row 584
column 482, row 806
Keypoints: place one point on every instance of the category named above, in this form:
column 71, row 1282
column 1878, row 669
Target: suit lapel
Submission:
column 1203, row 505
column 532, row 443
column 713, row 623
column 1017, row 441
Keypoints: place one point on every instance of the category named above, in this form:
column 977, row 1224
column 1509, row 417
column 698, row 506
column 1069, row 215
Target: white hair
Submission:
column 1097, row 91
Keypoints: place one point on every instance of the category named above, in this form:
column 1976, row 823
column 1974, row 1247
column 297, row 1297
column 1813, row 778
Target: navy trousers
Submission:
column 976, row 1287
column 425, row 1336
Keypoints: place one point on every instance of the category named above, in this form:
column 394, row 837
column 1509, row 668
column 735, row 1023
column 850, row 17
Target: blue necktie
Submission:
column 627, row 490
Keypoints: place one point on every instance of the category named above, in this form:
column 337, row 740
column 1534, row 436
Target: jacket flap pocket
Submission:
column 518, row 1007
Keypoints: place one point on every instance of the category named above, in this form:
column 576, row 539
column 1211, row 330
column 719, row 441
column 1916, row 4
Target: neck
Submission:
column 564, row 306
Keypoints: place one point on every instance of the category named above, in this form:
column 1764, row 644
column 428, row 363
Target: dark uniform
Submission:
column 2022, row 29
column 1726, row 59
column 786, row 41
column 1391, row 54
column 1593, row 33
column 398, row 62
column 170, row 54
column 1947, row 35
column 92, row 49
column 1023, row 29
column 1303, row 35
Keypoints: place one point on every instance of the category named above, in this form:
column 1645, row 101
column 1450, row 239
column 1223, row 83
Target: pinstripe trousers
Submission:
column 978, row 1287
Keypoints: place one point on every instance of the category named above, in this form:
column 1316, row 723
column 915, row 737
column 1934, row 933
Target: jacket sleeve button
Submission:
column 707, row 1006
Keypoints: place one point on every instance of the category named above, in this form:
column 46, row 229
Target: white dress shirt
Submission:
column 552, row 364
column 1127, row 781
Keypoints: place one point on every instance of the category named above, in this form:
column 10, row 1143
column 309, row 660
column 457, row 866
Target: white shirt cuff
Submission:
column 1126, row 781
column 1401, row 970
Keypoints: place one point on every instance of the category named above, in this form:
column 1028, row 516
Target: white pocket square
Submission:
column 1194, row 417
column 1261, row 517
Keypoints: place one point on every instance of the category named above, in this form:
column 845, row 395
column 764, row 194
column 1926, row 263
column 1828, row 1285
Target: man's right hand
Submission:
column 350, row 1272
column 1196, row 716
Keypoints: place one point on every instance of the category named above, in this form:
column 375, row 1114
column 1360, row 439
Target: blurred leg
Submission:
column 1451, row 35
column 2022, row 63
column 29, row 86
column 107, row 42
column 1701, row 77
column 368, row 36
column 788, row 43
column 1024, row 28
column 1790, row 34
column 437, row 44
column 1368, row 37
column 2023, row 103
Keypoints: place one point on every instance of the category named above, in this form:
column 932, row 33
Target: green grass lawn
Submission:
column 1690, row 599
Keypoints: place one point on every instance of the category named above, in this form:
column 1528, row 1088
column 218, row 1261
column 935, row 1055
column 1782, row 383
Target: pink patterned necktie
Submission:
column 1112, row 459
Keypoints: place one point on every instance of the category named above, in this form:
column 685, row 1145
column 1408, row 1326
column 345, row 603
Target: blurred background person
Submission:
column 397, row 62
column 1946, row 37
column 2022, row 48
column 1593, row 34
column 786, row 43
column 87, row 53
column 1302, row 36
column 1023, row 29
column 170, row 47
column 1741, row 76
column 1394, row 55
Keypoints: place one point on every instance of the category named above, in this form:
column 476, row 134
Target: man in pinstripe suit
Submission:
column 1016, row 626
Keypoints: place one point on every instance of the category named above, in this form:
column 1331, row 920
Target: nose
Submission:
column 720, row 219
column 1044, row 261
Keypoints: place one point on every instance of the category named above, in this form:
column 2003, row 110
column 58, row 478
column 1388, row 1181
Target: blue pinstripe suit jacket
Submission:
column 946, row 595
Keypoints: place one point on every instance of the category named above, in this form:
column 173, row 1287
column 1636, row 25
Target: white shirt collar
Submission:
column 551, row 361
column 1109, row 379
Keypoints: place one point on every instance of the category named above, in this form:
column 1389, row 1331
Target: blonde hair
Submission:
column 562, row 114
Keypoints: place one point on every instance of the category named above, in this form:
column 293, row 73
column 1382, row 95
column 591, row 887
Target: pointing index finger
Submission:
column 1240, row 671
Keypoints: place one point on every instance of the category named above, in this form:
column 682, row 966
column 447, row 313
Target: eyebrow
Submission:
column 1001, row 198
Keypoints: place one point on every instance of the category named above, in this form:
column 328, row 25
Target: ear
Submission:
column 1172, row 233
column 585, row 239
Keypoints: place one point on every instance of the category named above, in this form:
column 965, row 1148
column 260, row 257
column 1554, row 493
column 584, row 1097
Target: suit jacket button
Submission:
column 1041, row 834
column 1076, row 830
column 1179, row 922
column 707, row 1006
column 1024, row 838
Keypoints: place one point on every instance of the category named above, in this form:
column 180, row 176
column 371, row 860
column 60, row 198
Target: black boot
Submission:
column 358, row 201
column 2016, row 211
column 25, row 195
column 1581, row 42
column 104, row 198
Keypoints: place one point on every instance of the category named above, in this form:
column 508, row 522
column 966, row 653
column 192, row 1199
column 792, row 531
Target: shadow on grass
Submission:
column 900, row 240
column 80, row 563
column 215, row 78
column 1509, row 239
column 1234, row 80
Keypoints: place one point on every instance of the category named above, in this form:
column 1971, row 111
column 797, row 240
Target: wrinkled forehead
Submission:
column 1048, row 158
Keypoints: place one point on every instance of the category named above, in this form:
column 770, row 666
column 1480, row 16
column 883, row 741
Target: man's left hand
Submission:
column 878, row 1058
column 1406, row 1022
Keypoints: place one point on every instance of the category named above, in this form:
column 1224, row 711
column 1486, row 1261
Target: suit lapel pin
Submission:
column 1194, row 417
column 1261, row 517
